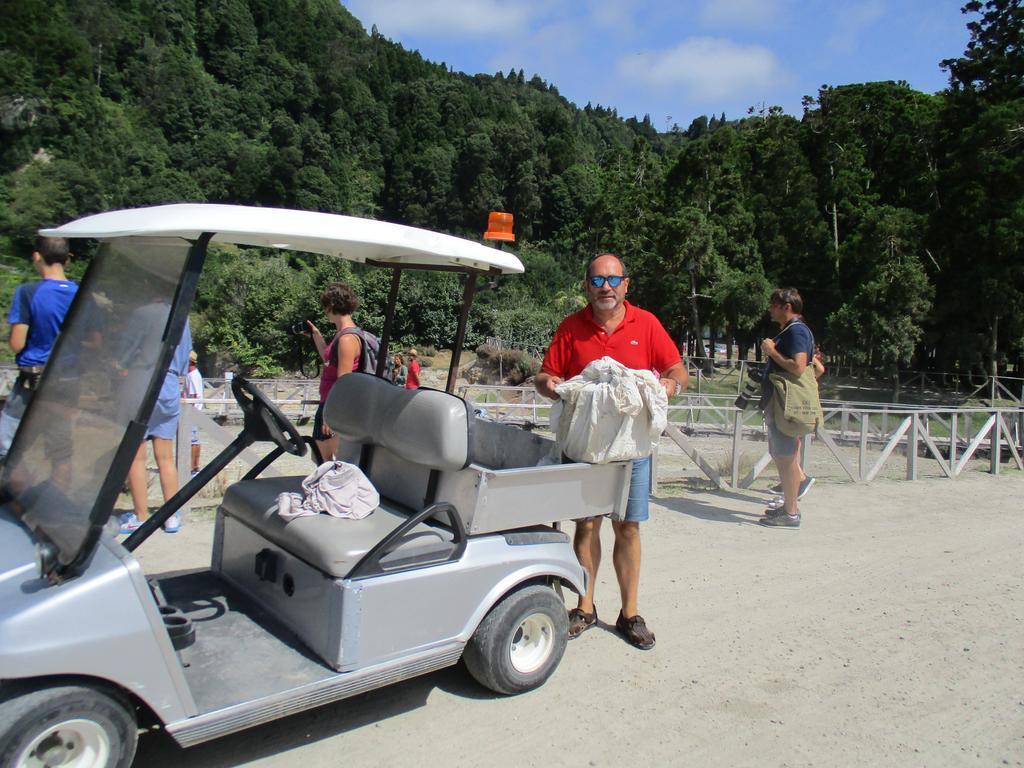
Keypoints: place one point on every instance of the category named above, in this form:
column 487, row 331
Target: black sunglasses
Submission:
column 598, row 281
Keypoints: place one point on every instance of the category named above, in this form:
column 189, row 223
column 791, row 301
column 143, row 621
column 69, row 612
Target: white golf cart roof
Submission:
column 346, row 237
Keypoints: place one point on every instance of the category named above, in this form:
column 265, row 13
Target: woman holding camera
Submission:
column 341, row 356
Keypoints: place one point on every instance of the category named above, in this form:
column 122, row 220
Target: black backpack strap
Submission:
column 332, row 352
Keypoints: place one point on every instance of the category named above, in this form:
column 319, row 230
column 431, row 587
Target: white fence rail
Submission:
column 861, row 438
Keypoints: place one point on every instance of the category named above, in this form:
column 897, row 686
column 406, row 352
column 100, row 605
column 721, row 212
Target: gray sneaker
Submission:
column 781, row 521
column 805, row 486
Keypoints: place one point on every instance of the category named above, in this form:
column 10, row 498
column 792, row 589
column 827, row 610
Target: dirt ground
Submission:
column 888, row 630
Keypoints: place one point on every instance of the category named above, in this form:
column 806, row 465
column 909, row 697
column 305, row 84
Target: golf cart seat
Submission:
column 330, row 544
column 405, row 439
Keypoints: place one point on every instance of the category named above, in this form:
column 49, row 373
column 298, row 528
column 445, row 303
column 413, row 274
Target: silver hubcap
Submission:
column 70, row 744
column 532, row 643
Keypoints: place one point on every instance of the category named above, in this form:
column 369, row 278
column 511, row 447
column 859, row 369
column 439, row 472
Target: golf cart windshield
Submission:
column 90, row 397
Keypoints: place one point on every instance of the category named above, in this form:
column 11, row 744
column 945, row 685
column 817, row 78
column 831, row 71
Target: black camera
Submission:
column 751, row 392
column 299, row 329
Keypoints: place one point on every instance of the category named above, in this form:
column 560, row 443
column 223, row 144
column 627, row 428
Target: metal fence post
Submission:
column 954, row 442
column 862, row 454
column 995, row 441
column 912, row 437
column 737, row 432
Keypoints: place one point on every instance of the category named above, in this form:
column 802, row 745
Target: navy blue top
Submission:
column 41, row 306
column 795, row 337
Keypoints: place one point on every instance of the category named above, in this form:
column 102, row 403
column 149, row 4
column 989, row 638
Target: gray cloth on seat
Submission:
column 327, row 543
column 335, row 488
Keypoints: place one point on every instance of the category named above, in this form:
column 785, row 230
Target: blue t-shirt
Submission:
column 41, row 306
column 795, row 337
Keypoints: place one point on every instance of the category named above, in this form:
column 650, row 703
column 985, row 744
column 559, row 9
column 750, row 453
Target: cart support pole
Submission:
column 468, row 291
column 389, row 320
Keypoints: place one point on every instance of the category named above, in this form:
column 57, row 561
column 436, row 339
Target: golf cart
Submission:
column 459, row 561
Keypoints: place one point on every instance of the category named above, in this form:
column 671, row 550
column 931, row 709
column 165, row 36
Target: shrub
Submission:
column 507, row 366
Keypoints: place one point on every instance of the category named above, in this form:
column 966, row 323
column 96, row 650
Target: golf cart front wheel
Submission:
column 68, row 726
column 520, row 642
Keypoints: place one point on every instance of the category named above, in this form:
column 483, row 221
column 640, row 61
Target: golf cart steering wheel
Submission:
column 265, row 419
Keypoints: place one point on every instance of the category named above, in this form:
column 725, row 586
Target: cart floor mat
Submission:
column 241, row 652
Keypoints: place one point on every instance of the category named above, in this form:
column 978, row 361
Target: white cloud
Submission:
column 851, row 21
column 706, row 67
column 548, row 50
column 612, row 14
column 444, row 18
column 743, row 13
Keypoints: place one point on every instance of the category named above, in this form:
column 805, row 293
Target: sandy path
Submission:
column 889, row 630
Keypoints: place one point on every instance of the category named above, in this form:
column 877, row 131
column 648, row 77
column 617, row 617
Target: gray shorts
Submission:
column 779, row 443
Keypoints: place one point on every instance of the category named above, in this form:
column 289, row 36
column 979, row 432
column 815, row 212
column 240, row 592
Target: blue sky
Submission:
column 677, row 60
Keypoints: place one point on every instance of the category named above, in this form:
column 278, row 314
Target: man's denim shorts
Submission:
column 638, row 507
column 637, row 503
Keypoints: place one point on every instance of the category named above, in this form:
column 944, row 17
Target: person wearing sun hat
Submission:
column 412, row 379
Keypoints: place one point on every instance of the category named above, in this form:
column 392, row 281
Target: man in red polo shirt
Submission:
column 611, row 326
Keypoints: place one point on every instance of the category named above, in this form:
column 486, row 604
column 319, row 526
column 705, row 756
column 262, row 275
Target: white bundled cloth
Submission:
column 609, row 413
column 335, row 488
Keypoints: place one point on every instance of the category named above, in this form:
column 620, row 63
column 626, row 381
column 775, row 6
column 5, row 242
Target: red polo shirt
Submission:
column 639, row 342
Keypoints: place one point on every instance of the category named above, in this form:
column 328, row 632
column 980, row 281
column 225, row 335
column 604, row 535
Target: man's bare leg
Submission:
column 626, row 558
column 789, row 474
column 587, row 544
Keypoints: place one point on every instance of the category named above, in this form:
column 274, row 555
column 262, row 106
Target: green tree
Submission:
column 977, row 233
column 881, row 322
column 245, row 305
column 994, row 60
column 790, row 230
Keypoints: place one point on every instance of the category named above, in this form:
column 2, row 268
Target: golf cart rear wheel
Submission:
column 520, row 642
column 67, row 726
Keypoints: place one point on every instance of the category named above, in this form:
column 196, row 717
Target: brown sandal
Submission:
column 580, row 621
column 636, row 632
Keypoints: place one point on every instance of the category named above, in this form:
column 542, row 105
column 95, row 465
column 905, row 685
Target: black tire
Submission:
column 84, row 726
column 520, row 642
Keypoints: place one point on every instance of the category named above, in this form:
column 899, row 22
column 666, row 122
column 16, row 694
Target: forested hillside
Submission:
column 897, row 213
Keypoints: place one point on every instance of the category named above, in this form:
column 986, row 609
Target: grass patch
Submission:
column 746, row 463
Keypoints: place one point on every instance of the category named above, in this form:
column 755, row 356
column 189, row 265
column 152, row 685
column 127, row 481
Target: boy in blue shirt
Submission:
column 37, row 313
